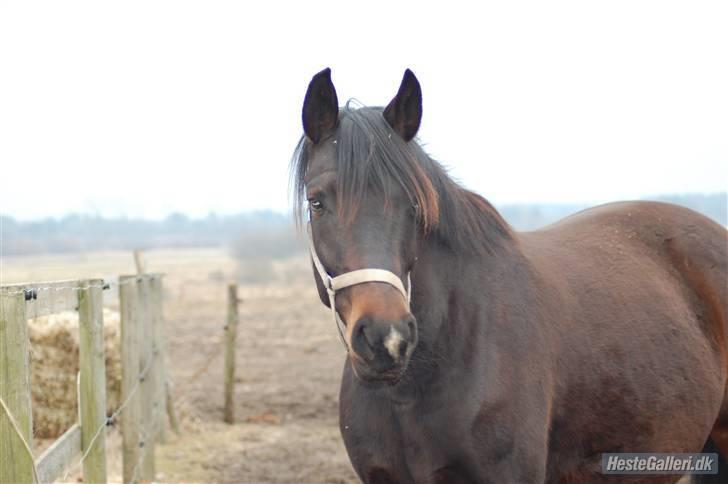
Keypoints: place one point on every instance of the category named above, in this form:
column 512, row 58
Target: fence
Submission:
column 231, row 336
column 143, row 379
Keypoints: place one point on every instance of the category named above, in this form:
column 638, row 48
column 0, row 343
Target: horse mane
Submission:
column 371, row 156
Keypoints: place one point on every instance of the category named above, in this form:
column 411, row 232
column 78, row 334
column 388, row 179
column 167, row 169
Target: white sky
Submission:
column 144, row 108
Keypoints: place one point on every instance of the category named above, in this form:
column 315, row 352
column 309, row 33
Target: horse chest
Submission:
column 430, row 448
column 421, row 444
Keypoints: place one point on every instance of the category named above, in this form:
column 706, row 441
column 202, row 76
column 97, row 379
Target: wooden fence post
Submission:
column 171, row 412
column 167, row 401
column 15, row 464
column 130, row 318
column 231, row 334
column 93, row 379
column 141, row 267
column 159, row 373
column 147, row 389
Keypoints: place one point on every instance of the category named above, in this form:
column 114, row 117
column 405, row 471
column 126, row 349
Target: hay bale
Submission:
column 54, row 343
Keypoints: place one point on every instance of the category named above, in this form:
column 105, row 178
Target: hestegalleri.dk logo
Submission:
column 659, row 463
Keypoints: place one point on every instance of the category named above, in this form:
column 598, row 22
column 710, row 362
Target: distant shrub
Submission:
column 268, row 242
column 256, row 250
column 256, row 271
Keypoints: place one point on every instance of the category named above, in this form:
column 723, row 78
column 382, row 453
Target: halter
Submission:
column 360, row 276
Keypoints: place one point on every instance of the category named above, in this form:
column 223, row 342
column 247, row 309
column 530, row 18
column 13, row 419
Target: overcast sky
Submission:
column 145, row 108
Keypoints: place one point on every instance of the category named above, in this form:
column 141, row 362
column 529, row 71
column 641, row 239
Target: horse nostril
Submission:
column 412, row 328
column 403, row 345
column 364, row 337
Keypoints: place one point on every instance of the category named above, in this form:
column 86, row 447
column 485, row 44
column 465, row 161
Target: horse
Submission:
column 476, row 353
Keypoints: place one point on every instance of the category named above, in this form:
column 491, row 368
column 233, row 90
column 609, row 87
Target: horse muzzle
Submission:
column 381, row 350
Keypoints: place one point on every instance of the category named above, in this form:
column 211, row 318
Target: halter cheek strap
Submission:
column 360, row 276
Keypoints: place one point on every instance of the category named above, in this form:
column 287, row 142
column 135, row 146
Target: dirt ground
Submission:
column 289, row 364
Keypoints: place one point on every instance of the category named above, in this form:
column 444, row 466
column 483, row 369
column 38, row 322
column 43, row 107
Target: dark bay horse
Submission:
column 521, row 357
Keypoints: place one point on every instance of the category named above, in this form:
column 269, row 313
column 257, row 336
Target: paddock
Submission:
column 288, row 364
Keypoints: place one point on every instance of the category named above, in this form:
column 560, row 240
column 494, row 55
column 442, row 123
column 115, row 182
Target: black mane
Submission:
column 370, row 155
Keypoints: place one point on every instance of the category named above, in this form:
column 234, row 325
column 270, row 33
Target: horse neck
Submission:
column 450, row 301
column 446, row 275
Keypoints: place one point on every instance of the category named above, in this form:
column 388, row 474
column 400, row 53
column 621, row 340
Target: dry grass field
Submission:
column 288, row 367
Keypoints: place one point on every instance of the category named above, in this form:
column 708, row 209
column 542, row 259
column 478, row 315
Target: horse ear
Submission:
column 404, row 112
column 320, row 107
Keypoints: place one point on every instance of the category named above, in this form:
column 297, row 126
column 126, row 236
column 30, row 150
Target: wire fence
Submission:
column 31, row 290
column 51, row 297
column 145, row 307
column 26, row 445
column 112, row 418
column 109, row 421
column 148, row 436
column 209, row 358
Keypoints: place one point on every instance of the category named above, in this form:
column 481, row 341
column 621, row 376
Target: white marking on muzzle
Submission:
column 392, row 341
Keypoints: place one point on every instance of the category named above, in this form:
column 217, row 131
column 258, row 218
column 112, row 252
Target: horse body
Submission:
column 547, row 366
column 521, row 357
column 641, row 345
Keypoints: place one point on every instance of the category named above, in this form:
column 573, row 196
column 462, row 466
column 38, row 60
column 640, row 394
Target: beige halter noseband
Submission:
column 360, row 276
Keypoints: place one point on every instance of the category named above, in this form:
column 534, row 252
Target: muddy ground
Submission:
column 289, row 364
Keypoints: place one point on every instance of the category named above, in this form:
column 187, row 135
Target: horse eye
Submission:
column 315, row 205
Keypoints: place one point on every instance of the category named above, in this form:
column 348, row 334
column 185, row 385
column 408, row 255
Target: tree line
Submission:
column 251, row 234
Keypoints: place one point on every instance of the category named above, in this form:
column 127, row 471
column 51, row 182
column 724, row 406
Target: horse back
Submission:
column 692, row 249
